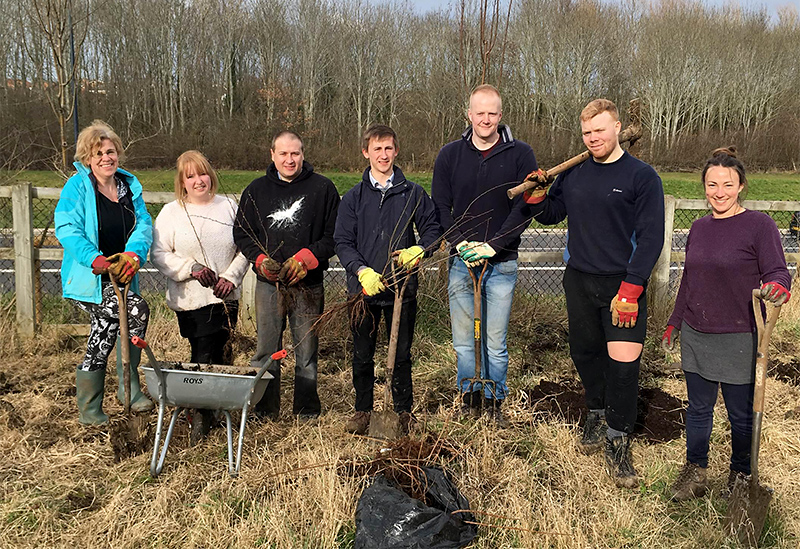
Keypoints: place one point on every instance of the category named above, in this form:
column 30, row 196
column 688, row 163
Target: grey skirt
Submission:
column 727, row 358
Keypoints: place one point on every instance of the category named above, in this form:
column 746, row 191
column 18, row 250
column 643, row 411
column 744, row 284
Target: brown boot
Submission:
column 691, row 483
column 358, row 424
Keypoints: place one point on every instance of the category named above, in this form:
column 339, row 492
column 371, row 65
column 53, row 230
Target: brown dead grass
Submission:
column 60, row 485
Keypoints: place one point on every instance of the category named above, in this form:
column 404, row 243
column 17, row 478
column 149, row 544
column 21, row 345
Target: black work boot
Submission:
column 471, row 404
column 494, row 410
column 200, row 421
column 691, row 483
column 619, row 462
column 594, row 433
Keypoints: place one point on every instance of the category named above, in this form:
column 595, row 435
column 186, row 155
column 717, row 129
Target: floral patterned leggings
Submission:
column 104, row 319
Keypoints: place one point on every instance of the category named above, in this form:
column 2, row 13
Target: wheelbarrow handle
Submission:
column 277, row 356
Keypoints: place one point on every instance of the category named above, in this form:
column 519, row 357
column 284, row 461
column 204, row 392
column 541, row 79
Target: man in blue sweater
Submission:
column 614, row 204
column 375, row 226
column 470, row 180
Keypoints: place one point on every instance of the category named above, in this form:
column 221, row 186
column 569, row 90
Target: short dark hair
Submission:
column 377, row 131
column 286, row 133
column 725, row 157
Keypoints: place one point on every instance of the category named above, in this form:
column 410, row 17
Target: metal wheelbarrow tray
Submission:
column 207, row 386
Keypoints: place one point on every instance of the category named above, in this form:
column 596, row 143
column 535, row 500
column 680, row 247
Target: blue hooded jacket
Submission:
column 76, row 227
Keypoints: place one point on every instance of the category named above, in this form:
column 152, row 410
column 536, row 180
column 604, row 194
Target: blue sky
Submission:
column 772, row 5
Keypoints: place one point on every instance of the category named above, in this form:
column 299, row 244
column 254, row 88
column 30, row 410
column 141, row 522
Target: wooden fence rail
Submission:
column 25, row 254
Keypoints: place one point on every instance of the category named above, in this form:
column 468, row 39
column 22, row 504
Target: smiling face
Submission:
column 722, row 186
column 381, row 154
column 485, row 112
column 104, row 161
column 197, row 184
column 601, row 135
column 288, row 156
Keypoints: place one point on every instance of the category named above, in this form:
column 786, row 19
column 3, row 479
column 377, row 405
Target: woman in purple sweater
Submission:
column 728, row 253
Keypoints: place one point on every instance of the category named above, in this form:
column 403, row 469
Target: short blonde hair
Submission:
column 198, row 161
column 91, row 137
column 599, row 106
column 488, row 89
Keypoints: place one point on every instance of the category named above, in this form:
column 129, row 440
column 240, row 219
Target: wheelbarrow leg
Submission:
column 160, row 465
column 241, row 441
column 159, row 428
column 229, row 429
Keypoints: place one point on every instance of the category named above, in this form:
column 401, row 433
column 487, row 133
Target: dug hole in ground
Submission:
column 63, row 485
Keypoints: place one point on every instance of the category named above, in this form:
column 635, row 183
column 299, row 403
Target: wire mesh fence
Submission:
column 535, row 277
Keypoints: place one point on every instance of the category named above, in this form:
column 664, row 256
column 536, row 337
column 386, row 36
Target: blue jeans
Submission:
column 302, row 305
column 497, row 292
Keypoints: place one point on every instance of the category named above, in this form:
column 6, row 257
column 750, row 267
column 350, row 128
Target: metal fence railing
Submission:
column 30, row 255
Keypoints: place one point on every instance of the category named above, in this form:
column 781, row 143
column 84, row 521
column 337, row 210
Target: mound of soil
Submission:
column 787, row 370
column 660, row 418
column 130, row 436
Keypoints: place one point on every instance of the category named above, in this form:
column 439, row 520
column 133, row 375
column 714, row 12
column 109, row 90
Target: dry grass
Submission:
column 61, row 487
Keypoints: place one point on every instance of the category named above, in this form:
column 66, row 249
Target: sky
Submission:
column 772, row 5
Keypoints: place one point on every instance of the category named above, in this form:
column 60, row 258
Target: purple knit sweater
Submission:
column 725, row 259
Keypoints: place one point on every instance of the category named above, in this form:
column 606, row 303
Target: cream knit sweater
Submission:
column 176, row 248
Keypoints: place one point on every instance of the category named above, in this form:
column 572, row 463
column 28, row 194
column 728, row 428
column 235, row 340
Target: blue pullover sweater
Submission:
column 470, row 192
column 615, row 217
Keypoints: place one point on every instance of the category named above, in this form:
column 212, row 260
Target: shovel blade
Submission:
column 385, row 424
column 747, row 511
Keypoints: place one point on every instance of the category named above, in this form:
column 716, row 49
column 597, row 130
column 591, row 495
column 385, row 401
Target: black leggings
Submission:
column 212, row 349
column 104, row 321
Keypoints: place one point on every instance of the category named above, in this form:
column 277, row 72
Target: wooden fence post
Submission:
column 659, row 281
column 22, row 208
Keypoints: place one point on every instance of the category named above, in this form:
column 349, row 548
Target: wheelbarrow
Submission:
column 211, row 387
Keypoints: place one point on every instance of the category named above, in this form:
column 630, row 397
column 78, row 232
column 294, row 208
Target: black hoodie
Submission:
column 283, row 217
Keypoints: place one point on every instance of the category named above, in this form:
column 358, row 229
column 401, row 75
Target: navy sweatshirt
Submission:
column 283, row 218
column 372, row 224
column 615, row 217
column 470, row 192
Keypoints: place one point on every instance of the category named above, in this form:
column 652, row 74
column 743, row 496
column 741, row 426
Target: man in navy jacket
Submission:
column 470, row 180
column 375, row 224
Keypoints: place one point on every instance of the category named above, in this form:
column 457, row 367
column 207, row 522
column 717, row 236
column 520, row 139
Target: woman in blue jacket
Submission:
column 103, row 225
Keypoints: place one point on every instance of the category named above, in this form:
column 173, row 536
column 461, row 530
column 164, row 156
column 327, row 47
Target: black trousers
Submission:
column 610, row 385
column 212, row 349
column 365, row 336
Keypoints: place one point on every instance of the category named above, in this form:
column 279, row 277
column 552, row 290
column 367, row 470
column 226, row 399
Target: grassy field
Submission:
column 64, row 486
column 769, row 186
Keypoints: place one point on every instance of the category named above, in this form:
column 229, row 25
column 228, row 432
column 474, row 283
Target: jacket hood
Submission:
column 305, row 173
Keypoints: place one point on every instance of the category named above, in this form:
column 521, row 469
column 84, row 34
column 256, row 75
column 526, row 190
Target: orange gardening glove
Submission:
column 624, row 307
column 268, row 267
column 537, row 194
column 124, row 266
column 296, row 267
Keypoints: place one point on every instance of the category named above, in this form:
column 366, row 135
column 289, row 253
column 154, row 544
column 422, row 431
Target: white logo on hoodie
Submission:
column 286, row 217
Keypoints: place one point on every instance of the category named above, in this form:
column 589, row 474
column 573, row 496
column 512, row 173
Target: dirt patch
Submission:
column 130, row 436
column 7, row 386
column 785, row 369
column 660, row 416
column 547, row 336
column 210, row 368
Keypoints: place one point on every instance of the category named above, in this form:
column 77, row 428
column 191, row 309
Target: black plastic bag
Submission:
column 388, row 518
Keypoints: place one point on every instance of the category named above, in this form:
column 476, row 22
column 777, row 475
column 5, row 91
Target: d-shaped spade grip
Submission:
column 139, row 342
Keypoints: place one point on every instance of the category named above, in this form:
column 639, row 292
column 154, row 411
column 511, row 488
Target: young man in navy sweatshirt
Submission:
column 375, row 226
column 284, row 226
column 470, row 180
column 614, row 204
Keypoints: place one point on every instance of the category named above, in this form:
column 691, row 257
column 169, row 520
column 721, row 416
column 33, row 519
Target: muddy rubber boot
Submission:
column 139, row 402
column 89, row 394
column 691, row 483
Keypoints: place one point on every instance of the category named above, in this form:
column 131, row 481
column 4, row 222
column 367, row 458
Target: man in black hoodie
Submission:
column 284, row 226
column 376, row 222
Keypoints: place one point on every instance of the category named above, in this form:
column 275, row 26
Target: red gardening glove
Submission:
column 222, row 288
column 537, row 194
column 100, row 265
column 624, row 307
column 296, row 267
column 124, row 266
column 669, row 340
column 268, row 267
column 204, row 275
column 775, row 292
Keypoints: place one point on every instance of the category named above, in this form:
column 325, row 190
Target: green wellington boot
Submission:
column 139, row 402
column 89, row 393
